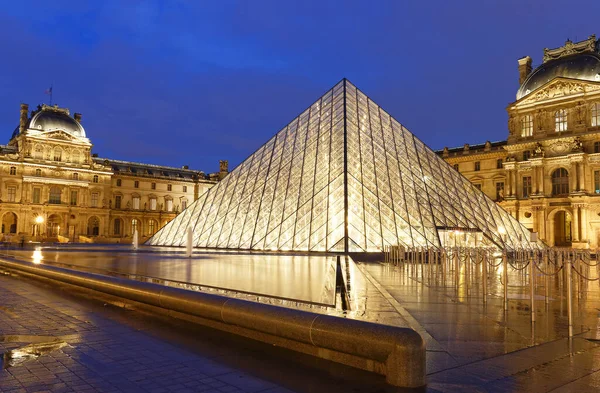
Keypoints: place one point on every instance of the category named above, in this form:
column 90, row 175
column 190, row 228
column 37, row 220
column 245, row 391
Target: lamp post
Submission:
column 38, row 221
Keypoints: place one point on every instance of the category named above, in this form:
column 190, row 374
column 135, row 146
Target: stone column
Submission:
column 584, row 224
column 540, row 180
column 514, row 183
column 581, row 177
column 534, row 185
column 550, row 240
column 575, row 226
column 542, row 224
column 573, row 177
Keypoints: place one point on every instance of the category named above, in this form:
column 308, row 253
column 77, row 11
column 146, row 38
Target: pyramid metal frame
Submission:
column 343, row 176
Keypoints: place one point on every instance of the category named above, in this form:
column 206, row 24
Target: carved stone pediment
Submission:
column 60, row 135
column 559, row 148
column 560, row 87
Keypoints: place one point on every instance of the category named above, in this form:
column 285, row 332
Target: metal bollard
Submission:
column 547, row 281
column 532, row 287
column 484, row 276
column 456, row 269
column 505, row 276
column 569, row 298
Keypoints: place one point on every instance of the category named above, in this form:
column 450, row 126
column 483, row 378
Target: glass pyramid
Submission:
column 343, row 176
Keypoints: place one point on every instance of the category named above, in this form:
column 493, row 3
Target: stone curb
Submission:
column 398, row 353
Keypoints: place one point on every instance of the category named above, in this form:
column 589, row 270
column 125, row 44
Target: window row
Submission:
column 560, row 120
column 136, row 184
column 152, row 204
column 149, row 229
column 477, row 165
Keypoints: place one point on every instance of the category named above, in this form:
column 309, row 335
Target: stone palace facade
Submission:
column 52, row 188
column 547, row 172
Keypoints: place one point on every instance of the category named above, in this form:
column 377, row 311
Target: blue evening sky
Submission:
column 192, row 82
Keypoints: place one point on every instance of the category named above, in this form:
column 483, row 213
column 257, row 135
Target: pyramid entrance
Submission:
column 343, row 176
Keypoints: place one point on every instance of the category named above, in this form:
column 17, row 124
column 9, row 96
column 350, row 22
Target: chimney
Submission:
column 23, row 119
column 524, row 68
column 77, row 117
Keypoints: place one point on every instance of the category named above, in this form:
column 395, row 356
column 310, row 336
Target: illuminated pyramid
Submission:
column 343, row 176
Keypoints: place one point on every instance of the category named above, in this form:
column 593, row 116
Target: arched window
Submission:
column 93, row 226
column 75, row 157
column 527, row 125
column 595, row 114
column 560, row 182
column 117, row 226
column 57, row 154
column 38, row 153
column 55, row 195
column 560, row 120
column 151, row 227
column 38, row 172
column 13, row 170
column 95, row 179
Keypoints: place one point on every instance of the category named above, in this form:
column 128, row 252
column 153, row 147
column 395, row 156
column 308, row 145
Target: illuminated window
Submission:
column 94, row 202
column 526, row 186
column 499, row 163
column 169, row 187
column 136, row 202
column 13, row 170
column 12, row 194
column 152, row 226
column 526, row 126
column 595, row 115
column 95, row 179
column 37, row 192
column 184, row 188
column 477, row 165
column 560, row 120
column 93, row 226
column 153, row 186
column 597, row 182
column 38, row 172
column 169, row 205
column 499, row 191
column 117, row 226
column 134, row 226
column 75, row 176
column 55, row 193
column 560, row 182
column 38, row 154
column 118, row 199
column 136, row 184
column 118, row 182
column 73, row 198
column 526, row 155
column 57, row 154
column 152, row 203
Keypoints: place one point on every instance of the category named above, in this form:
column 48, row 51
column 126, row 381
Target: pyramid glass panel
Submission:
column 343, row 176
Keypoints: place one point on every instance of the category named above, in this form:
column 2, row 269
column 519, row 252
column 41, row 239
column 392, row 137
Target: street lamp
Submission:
column 38, row 221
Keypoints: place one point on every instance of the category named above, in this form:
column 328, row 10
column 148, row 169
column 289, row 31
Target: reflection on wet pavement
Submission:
column 40, row 345
column 308, row 279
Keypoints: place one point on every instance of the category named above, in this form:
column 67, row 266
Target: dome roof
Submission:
column 52, row 118
column 582, row 66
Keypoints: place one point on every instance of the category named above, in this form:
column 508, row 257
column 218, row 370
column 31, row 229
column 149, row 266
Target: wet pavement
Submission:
column 266, row 275
column 52, row 341
column 470, row 346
